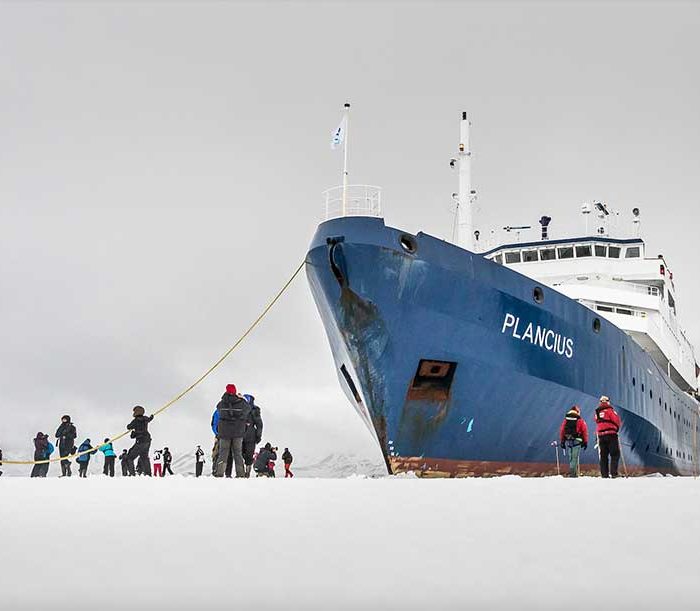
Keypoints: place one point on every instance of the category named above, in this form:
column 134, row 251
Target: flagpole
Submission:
column 345, row 156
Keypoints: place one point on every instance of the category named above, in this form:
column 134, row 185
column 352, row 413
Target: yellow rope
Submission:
column 179, row 396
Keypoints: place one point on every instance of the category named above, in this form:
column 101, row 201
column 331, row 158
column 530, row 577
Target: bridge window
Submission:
column 614, row 252
column 583, row 251
column 529, row 256
column 498, row 259
column 547, row 254
column 600, row 250
column 513, row 257
column 632, row 252
column 565, row 252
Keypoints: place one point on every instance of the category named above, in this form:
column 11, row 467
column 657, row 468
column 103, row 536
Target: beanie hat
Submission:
column 65, row 418
column 231, row 389
column 139, row 411
column 604, row 399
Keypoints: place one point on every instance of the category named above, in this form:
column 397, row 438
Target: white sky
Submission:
column 161, row 168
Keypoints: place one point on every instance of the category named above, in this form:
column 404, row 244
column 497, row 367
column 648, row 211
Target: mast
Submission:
column 346, row 119
column 465, row 213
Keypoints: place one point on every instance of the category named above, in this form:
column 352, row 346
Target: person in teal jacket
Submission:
column 84, row 460
column 110, row 457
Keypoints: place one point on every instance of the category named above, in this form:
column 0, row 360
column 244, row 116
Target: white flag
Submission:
column 339, row 134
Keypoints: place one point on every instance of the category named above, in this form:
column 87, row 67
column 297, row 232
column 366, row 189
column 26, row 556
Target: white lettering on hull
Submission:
column 539, row 336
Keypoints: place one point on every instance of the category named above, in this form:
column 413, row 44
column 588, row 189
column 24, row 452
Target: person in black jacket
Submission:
column 65, row 440
column 198, row 461
column 41, row 452
column 233, row 413
column 265, row 462
column 124, row 460
column 287, row 459
column 167, row 459
column 253, row 433
column 142, row 441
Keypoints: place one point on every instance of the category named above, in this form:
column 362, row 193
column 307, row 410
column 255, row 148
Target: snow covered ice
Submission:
column 353, row 543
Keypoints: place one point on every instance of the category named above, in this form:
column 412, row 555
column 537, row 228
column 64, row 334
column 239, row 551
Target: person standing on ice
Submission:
column 233, row 413
column 142, row 441
column 198, row 461
column 84, row 460
column 43, row 449
column 573, row 434
column 123, row 459
column 608, row 425
column 65, row 439
column 287, row 459
column 158, row 464
column 167, row 460
column 110, row 457
column 253, row 433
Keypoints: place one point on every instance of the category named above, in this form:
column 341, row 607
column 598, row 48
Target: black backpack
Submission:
column 232, row 412
column 570, row 427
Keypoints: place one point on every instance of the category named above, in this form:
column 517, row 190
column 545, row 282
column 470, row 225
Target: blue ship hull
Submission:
column 459, row 367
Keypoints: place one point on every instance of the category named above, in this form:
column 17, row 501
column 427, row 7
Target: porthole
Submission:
column 538, row 295
column 596, row 325
column 408, row 243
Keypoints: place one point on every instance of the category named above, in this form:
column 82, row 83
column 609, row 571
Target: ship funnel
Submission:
column 544, row 221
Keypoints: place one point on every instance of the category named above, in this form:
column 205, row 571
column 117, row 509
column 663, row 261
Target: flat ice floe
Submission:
column 388, row 543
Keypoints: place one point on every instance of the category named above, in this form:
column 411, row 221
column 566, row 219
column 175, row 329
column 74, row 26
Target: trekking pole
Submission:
column 556, row 453
column 622, row 456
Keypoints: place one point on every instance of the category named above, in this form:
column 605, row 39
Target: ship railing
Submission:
column 352, row 200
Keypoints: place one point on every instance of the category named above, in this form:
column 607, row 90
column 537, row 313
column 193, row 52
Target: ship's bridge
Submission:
column 615, row 278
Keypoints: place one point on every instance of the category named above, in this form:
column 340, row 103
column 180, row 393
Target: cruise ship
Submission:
column 462, row 360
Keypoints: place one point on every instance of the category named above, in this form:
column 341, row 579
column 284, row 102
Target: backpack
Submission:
column 232, row 412
column 571, row 426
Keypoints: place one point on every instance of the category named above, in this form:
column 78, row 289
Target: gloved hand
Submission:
column 584, row 446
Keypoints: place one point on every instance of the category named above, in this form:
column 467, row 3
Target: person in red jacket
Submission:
column 608, row 425
column 573, row 435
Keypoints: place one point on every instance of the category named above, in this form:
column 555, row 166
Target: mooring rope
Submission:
column 180, row 395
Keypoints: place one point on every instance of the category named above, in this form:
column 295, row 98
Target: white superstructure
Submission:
column 616, row 279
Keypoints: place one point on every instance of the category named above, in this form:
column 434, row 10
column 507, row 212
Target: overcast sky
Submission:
column 161, row 168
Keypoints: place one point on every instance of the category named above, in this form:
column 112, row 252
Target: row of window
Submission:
column 674, row 414
column 616, row 310
column 578, row 251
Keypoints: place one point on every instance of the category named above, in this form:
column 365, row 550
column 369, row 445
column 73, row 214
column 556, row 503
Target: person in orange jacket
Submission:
column 573, row 435
column 608, row 425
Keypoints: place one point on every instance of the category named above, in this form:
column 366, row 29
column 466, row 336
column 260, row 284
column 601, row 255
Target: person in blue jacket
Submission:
column 110, row 457
column 84, row 460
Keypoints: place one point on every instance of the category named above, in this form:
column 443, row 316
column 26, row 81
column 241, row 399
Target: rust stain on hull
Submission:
column 441, row 467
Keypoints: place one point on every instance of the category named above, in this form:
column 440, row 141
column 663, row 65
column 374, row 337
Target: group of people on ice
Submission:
column 236, row 423
column 573, row 437
column 237, row 426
